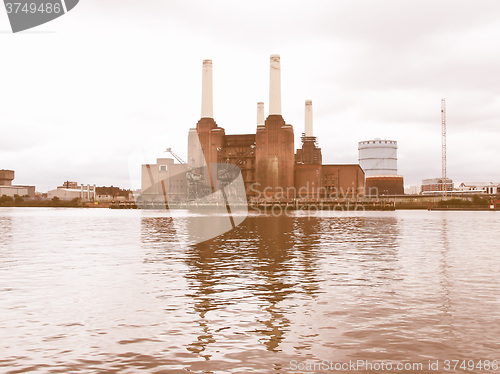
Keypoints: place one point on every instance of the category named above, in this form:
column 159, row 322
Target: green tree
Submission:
column 55, row 201
column 6, row 200
column 478, row 200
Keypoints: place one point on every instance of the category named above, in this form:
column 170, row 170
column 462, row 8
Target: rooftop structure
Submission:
column 6, row 177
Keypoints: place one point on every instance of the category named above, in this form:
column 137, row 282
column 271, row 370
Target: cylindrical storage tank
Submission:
column 378, row 157
column 383, row 185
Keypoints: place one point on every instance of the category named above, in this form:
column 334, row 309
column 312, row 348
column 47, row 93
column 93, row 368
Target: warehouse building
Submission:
column 165, row 178
column 7, row 189
column 71, row 190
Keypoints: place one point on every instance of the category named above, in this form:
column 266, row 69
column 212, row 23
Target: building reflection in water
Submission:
column 307, row 237
column 446, row 307
column 157, row 230
column 262, row 262
column 5, row 236
column 259, row 251
column 267, row 267
column 273, row 255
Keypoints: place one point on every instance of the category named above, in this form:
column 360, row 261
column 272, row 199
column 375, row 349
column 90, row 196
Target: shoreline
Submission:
column 352, row 206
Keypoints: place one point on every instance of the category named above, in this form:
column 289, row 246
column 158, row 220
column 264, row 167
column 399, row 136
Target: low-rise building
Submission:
column 84, row 193
column 6, row 187
column 165, row 179
column 110, row 198
column 437, row 185
column 489, row 188
column 413, row 189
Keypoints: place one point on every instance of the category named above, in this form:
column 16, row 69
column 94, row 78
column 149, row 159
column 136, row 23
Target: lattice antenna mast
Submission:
column 443, row 145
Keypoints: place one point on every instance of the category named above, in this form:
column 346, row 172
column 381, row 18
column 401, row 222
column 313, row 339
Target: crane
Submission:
column 194, row 174
column 179, row 160
column 194, row 177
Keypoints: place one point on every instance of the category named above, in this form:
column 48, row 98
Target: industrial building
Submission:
column 379, row 160
column 165, row 178
column 270, row 165
column 71, row 190
column 6, row 187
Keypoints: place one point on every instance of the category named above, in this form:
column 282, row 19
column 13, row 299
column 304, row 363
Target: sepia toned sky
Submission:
column 81, row 96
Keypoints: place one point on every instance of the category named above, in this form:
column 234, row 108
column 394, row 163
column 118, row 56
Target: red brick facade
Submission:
column 269, row 165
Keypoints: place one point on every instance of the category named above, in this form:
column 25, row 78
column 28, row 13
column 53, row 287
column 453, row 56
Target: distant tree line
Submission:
column 476, row 201
column 55, row 202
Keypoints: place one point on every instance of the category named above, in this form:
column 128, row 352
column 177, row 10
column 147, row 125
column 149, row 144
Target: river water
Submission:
column 123, row 291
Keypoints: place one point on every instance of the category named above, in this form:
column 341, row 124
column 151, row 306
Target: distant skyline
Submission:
column 84, row 93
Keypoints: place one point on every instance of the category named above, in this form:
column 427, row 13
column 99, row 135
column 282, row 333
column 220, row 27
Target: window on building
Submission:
column 163, row 167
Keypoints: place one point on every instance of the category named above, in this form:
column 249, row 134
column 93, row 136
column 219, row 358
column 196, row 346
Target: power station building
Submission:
column 270, row 165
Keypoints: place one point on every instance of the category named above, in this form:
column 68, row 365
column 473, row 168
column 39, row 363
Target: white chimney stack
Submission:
column 309, row 118
column 275, row 86
column 260, row 114
column 207, row 103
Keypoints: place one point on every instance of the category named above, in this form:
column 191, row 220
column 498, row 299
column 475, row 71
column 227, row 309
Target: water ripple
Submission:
column 101, row 291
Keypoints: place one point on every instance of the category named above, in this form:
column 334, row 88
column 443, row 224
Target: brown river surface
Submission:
column 123, row 291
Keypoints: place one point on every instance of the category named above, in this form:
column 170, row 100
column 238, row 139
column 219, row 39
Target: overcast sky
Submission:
column 81, row 96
